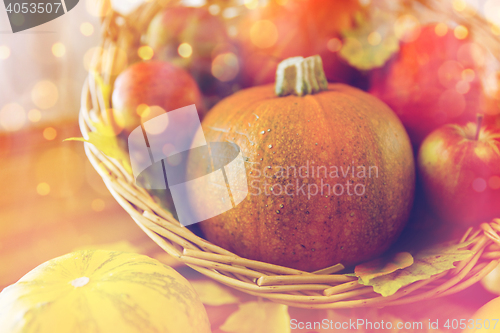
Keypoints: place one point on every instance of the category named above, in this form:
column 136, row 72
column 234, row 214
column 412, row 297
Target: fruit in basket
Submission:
column 102, row 291
column 190, row 38
column 331, row 174
column 147, row 84
column 460, row 172
column 299, row 28
column 434, row 80
column 485, row 319
column 491, row 281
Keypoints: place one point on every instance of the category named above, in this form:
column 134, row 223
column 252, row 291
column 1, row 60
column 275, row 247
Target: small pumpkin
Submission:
column 302, row 149
column 102, row 291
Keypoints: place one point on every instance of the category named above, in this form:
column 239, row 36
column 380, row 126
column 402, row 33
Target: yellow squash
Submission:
column 102, row 292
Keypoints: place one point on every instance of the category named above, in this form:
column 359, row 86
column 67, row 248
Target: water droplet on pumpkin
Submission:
column 271, row 188
column 277, row 212
column 269, row 130
column 316, row 143
column 270, row 146
column 352, row 214
column 261, row 159
column 262, row 132
column 281, row 206
column 269, row 167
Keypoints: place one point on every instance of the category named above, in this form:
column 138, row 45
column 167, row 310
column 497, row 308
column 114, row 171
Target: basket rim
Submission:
column 323, row 289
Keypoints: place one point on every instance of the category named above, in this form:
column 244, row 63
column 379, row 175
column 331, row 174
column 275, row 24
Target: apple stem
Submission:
column 479, row 122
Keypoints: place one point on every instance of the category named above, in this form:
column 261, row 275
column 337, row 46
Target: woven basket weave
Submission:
column 321, row 289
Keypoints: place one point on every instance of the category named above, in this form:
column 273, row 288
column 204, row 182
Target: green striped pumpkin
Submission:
column 96, row 291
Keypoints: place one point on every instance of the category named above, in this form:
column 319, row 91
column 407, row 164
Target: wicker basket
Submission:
column 321, row 289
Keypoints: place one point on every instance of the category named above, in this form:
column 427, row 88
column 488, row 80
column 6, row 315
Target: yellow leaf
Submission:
column 108, row 144
column 103, row 87
column 372, row 42
column 426, row 263
column 258, row 317
column 383, row 266
column 212, row 293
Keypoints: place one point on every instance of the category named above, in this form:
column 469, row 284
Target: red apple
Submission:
column 434, row 80
column 460, row 172
column 299, row 28
column 154, row 83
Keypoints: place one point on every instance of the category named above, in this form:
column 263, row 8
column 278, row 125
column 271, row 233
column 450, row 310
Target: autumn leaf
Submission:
column 258, row 317
column 212, row 293
column 108, row 144
column 382, row 266
column 426, row 263
column 372, row 42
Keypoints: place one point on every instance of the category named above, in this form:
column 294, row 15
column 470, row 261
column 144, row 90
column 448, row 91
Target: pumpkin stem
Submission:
column 299, row 76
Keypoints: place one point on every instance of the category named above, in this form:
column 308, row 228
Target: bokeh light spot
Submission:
column 155, row 127
column 214, row 9
column 468, row 75
column 441, row 29
column 98, row 205
column 449, row 73
column 461, row 32
column 407, row 28
column 44, row 94
column 185, row 50
column 495, row 29
column 143, row 110
column 263, row 34
column 462, row 87
column 34, row 115
column 99, row 8
column 479, row 185
column 12, row 117
column 4, row 52
column 251, row 4
column 58, row 50
column 87, row 29
column 43, row 189
column 494, row 182
column 225, row 66
column 145, row 52
column 374, row 38
column 459, row 5
column 62, row 168
column 49, row 133
column 334, row 45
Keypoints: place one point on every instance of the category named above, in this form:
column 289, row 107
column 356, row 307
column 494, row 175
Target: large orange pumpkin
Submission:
column 331, row 175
